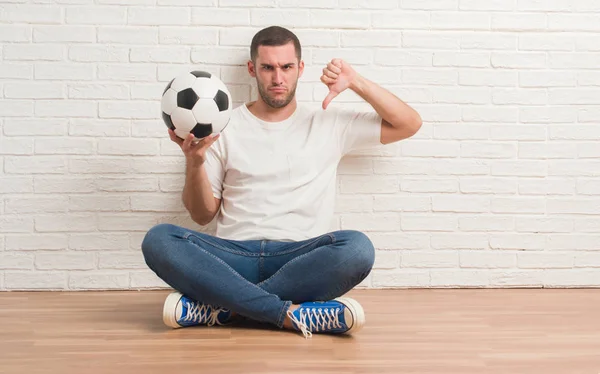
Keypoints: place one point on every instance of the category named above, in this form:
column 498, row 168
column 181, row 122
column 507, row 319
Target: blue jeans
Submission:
column 258, row 279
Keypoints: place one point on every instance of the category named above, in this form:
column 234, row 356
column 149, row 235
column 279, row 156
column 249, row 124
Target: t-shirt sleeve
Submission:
column 215, row 168
column 358, row 130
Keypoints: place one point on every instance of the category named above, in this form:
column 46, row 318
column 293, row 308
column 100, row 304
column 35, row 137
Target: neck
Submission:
column 266, row 113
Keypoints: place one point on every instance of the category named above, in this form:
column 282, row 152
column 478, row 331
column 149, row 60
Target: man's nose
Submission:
column 278, row 77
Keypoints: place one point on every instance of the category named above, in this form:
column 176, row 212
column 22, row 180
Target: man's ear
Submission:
column 251, row 69
column 300, row 68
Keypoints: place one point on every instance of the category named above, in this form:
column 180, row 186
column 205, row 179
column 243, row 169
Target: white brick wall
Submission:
column 500, row 188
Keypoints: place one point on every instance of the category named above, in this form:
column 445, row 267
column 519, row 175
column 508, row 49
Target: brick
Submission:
column 488, row 185
column 430, row 77
column 16, row 261
column 130, row 109
column 514, row 278
column 16, row 146
column 462, row 95
column 489, row 78
column 16, row 71
column 550, row 114
column 157, row 203
column 386, row 260
column 15, row 33
column 98, row 242
column 486, row 223
column 65, row 108
column 15, row 185
column 98, row 91
column 544, row 5
column 581, row 168
column 585, row 260
column 34, row 52
column 15, row 224
column 34, row 165
column 64, row 146
column 102, row 53
column 129, row 184
column 488, row 150
column 518, row 205
column 489, row 114
column 96, row 15
column 64, row 34
column 401, row 204
column 33, row 91
column 121, row 260
column 370, row 222
column 543, row 224
column 429, row 4
column 437, row 259
column 65, row 261
column 461, row 204
column 576, row 277
column 461, row 131
column 39, row 280
column 542, row 42
column 399, row 240
column 16, row 108
column 428, row 223
column 459, row 278
column 404, row 278
column 430, row 40
column 147, row 16
column 43, row 184
column 128, row 35
column 34, row 14
column 98, row 203
column 588, row 186
column 227, row 56
column 487, row 260
column 99, row 127
column 574, row 206
column 519, row 242
column 537, row 79
column 401, row 20
column 536, row 150
column 146, row 279
column 126, row 222
column 573, row 22
column 326, row 19
column 65, row 223
column 430, row 149
column 523, row 168
column 575, row 132
column 127, row 72
column 360, row 184
column 428, row 185
column 343, row 204
column 519, row 21
column 116, row 146
column 371, row 39
column 579, row 96
column 63, row 71
column 36, row 242
column 98, row 280
column 29, row 204
column 547, row 186
column 571, row 242
column 217, row 17
column 462, row 20
column 172, row 35
column 459, row 241
column 160, row 54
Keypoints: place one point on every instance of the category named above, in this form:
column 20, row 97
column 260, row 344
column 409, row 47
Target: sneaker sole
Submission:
column 358, row 313
column 169, row 310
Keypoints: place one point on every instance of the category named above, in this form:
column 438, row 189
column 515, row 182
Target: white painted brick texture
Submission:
column 500, row 188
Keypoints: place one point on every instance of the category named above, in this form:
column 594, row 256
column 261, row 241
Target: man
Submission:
column 269, row 178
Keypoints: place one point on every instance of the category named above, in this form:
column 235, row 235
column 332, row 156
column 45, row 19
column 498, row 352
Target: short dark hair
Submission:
column 274, row 36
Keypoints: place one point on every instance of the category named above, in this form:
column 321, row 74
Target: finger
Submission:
column 337, row 62
column 328, row 99
column 327, row 80
column 329, row 73
column 208, row 141
column 187, row 143
column 175, row 138
column 334, row 68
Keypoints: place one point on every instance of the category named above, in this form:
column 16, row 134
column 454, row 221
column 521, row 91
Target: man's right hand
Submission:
column 195, row 152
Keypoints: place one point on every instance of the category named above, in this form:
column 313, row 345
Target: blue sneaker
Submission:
column 181, row 311
column 339, row 316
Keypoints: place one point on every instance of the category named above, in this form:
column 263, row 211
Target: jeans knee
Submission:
column 362, row 248
column 153, row 243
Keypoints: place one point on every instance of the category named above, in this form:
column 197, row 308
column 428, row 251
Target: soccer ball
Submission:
column 196, row 102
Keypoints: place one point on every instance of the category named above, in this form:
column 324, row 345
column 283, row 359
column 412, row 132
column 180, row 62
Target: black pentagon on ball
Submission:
column 201, row 74
column 187, row 98
column 168, row 122
column 202, row 130
column 222, row 101
column 168, row 85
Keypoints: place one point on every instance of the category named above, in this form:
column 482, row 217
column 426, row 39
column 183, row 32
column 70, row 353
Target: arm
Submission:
column 399, row 120
column 197, row 193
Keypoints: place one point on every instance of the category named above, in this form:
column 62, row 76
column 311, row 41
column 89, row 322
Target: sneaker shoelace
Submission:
column 202, row 313
column 316, row 320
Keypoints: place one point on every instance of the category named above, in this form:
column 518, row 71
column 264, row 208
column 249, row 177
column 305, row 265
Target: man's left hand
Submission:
column 338, row 76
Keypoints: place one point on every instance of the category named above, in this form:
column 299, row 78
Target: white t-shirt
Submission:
column 277, row 180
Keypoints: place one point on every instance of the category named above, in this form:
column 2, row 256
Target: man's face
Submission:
column 276, row 70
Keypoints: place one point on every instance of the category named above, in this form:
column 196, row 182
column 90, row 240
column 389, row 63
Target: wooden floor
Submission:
column 407, row 331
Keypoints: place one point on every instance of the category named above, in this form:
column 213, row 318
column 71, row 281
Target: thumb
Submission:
column 328, row 99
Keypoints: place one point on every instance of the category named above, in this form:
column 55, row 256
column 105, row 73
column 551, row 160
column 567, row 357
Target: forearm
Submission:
column 393, row 110
column 197, row 194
